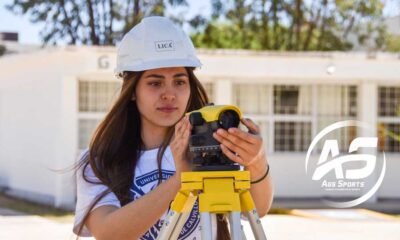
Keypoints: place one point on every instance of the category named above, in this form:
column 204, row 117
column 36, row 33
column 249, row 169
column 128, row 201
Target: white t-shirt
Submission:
column 145, row 180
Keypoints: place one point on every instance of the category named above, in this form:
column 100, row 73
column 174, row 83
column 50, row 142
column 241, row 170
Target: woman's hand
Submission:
column 179, row 145
column 245, row 148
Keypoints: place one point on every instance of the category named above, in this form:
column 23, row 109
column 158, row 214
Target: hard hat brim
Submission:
column 162, row 63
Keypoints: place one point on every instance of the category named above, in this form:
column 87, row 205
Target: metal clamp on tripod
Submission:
column 216, row 181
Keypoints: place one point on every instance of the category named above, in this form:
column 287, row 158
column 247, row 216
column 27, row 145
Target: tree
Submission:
column 392, row 43
column 293, row 25
column 297, row 25
column 92, row 22
column 2, row 50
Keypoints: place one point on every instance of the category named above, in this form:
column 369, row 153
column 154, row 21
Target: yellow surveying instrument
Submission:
column 216, row 181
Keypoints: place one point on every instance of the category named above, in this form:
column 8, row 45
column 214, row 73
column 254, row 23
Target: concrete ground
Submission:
column 17, row 226
column 302, row 225
column 330, row 225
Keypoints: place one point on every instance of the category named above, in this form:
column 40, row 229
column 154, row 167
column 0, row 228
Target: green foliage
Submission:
column 91, row 22
column 231, row 37
column 219, row 36
column 289, row 25
column 294, row 25
column 393, row 44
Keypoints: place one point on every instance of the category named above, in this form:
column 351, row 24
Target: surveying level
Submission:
column 216, row 181
column 205, row 148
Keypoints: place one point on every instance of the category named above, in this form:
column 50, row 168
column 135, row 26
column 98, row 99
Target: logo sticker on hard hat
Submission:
column 162, row 46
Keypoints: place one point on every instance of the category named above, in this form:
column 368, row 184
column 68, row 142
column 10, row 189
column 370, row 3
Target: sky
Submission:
column 29, row 32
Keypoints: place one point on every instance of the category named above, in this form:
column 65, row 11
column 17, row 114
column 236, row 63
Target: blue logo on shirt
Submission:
column 152, row 178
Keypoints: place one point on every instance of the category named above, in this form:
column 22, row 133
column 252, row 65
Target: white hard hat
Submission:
column 155, row 43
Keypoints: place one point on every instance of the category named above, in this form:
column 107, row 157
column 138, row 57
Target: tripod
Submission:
column 223, row 192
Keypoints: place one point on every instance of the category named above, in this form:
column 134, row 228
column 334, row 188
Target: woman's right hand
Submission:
column 180, row 145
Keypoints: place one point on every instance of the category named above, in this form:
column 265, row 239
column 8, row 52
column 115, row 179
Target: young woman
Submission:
column 131, row 172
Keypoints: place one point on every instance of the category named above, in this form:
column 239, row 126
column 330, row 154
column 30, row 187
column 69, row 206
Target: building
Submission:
column 9, row 36
column 51, row 101
column 9, row 42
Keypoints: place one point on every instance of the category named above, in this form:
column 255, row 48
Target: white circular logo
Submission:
column 345, row 179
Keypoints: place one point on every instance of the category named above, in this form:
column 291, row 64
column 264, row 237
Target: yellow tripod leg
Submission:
column 178, row 214
column 249, row 208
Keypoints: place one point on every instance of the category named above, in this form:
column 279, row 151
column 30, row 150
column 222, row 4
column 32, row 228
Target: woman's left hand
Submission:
column 245, row 148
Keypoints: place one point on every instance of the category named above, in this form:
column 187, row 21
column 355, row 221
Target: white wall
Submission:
column 290, row 179
column 37, row 119
column 390, row 187
column 29, row 123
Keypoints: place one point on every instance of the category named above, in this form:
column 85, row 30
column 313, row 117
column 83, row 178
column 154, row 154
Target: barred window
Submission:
column 389, row 137
column 292, row 99
column 255, row 99
column 292, row 136
column 389, row 118
column 337, row 103
column 209, row 87
column 97, row 96
column 263, row 101
column 293, row 112
column 389, row 101
column 86, row 130
column 252, row 98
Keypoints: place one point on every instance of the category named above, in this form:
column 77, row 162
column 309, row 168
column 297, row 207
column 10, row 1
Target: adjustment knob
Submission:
column 229, row 119
column 196, row 119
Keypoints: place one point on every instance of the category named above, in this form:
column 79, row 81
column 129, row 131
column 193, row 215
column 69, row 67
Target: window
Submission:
column 292, row 136
column 252, row 98
column 254, row 101
column 389, row 137
column 286, row 99
column 289, row 115
column 209, row 87
column 86, row 130
column 292, row 99
column 389, row 101
column 389, row 118
column 283, row 113
column 337, row 103
column 292, row 104
column 95, row 98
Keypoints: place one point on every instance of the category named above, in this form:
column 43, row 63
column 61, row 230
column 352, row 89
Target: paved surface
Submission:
column 17, row 226
column 305, row 225
column 330, row 225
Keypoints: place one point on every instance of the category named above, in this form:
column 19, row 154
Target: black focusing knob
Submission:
column 229, row 119
column 196, row 119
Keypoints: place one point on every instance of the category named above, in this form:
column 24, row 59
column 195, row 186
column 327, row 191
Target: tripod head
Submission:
column 208, row 155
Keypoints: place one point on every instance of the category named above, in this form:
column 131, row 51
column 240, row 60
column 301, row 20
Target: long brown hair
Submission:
column 115, row 146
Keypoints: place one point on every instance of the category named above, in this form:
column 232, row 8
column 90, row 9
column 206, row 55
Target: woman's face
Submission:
column 161, row 96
